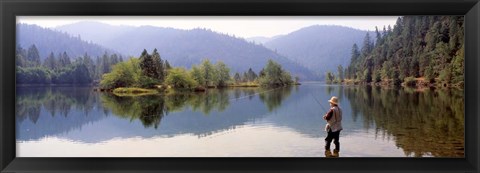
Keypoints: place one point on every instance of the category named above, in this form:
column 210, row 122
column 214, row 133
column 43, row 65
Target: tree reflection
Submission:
column 151, row 109
column 422, row 122
column 55, row 101
column 47, row 111
column 273, row 98
column 207, row 102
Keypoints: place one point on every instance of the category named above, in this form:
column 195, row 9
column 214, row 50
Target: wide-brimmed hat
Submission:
column 333, row 100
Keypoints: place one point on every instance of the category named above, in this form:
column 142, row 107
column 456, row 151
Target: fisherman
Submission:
column 334, row 125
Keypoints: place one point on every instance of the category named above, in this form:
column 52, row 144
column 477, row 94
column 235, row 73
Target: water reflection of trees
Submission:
column 273, row 98
column 56, row 101
column 428, row 122
column 44, row 111
column 58, row 110
column 148, row 109
column 151, row 109
column 212, row 100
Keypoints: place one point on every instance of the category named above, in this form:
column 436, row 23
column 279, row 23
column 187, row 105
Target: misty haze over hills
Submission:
column 47, row 40
column 261, row 39
column 185, row 47
column 320, row 47
column 308, row 52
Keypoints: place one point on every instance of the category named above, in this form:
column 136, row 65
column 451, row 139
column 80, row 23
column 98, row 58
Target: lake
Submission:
column 239, row 122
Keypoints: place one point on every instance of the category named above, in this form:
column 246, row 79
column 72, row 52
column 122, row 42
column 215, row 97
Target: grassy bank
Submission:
column 134, row 91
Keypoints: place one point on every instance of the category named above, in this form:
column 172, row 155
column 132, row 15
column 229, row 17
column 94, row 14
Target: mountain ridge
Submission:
column 320, row 48
column 188, row 47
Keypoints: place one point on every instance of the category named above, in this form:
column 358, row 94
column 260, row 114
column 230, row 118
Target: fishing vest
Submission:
column 335, row 122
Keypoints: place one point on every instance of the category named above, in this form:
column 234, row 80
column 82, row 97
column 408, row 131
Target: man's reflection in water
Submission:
column 335, row 153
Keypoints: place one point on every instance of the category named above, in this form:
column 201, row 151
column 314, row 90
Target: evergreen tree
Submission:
column 33, row 56
column 50, row 62
column 418, row 46
column 147, row 65
column 330, row 77
column 340, row 72
column 251, row 75
column 367, row 45
column 378, row 35
column 166, row 68
column 237, row 78
column 89, row 64
column 64, row 60
column 158, row 64
column 21, row 57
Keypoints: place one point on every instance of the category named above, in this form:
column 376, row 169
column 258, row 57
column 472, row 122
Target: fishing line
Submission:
column 319, row 103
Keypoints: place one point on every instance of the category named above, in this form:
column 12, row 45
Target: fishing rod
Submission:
column 319, row 103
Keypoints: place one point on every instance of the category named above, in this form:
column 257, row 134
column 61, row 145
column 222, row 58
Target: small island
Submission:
column 149, row 74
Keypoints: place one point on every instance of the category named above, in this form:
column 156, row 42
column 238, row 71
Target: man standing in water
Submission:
column 333, row 126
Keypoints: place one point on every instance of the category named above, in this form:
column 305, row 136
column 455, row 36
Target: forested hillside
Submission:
column 61, row 68
column 423, row 50
column 47, row 41
column 188, row 47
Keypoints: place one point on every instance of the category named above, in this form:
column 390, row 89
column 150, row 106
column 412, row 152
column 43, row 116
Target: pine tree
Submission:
column 64, row 60
column 237, row 78
column 33, row 56
column 50, row 62
column 158, row 65
column 340, row 72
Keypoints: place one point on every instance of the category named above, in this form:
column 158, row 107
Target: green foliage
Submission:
column 377, row 77
column 127, row 74
column 123, row 74
column 134, row 91
column 223, row 74
column 148, row 65
column 446, row 74
column 180, row 78
column 33, row 75
column 418, row 46
column 197, row 75
column 458, row 66
column 237, row 78
column 429, row 74
column 51, row 62
column 410, row 81
column 158, row 66
column 340, row 73
column 274, row 75
column 329, row 77
column 208, row 72
column 33, row 56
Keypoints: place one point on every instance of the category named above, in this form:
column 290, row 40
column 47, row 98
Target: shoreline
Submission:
column 135, row 91
column 417, row 83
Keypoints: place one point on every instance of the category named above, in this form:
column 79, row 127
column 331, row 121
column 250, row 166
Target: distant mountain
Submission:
column 185, row 47
column 320, row 47
column 261, row 39
column 47, row 40
column 94, row 31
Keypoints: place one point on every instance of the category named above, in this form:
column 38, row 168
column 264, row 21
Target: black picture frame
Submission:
column 11, row 8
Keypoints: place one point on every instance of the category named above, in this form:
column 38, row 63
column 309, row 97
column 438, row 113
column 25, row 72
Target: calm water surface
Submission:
column 247, row 122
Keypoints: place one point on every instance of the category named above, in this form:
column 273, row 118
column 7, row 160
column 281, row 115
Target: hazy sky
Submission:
column 241, row 26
